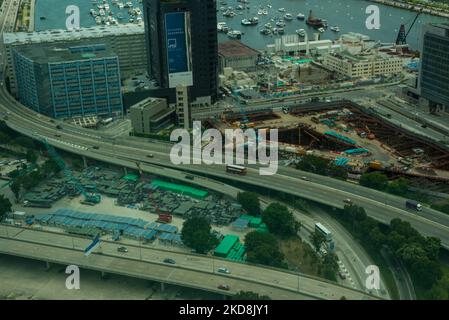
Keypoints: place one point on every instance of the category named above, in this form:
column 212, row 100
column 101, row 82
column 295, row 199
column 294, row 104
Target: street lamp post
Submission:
column 298, row 282
column 140, row 248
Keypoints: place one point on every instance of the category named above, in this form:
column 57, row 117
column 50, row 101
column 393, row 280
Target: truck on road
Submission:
column 412, row 204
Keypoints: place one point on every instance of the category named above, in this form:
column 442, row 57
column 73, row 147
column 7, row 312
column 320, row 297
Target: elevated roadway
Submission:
column 190, row 270
column 325, row 190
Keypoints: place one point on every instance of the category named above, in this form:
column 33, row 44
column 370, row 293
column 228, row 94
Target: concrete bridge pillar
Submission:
column 85, row 162
column 47, row 265
column 162, row 286
column 103, row 274
column 125, row 169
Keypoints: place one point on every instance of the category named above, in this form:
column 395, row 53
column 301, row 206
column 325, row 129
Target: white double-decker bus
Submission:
column 235, row 169
column 324, row 231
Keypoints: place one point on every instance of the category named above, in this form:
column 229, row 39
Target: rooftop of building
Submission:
column 441, row 25
column 355, row 58
column 148, row 103
column 52, row 54
column 75, row 34
column 235, row 48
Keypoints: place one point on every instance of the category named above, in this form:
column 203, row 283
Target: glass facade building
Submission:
column 434, row 73
column 182, row 45
column 69, row 82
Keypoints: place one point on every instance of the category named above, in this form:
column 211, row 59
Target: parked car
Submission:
column 122, row 249
column 169, row 261
column 150, row 155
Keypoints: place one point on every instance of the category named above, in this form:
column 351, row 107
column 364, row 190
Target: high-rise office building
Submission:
column 63, row 82
column 127, row 41
column 182, row 46
column 434, row 72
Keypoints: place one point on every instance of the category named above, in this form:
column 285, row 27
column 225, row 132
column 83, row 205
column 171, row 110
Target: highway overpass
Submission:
column 195, row 271
column 126, row 152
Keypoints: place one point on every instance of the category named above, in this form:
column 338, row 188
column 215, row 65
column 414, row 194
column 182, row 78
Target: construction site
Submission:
column 355, row 137
column 127, row 206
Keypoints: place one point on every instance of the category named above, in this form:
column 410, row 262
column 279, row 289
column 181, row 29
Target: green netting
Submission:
column 196, row 193
column 226, row 245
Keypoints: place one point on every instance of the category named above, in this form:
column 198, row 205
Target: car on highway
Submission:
column 57, row 135
column 190, row 177
column 169, row 261
column 224, row 270
column 224, row 287
column 305, row 179
column 150, row 155
column 122, row 249
column 96, row 147
column 347, row 201
column 59, row 127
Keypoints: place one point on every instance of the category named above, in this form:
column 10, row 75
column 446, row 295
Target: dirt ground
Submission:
column 299, row 255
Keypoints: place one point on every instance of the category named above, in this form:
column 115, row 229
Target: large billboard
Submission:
column 178, row 44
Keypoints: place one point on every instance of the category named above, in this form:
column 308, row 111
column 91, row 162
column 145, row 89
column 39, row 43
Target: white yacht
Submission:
column 301, row 16
column 301, row 32
column 235, row 34
column 288, row 17
column 335, row 28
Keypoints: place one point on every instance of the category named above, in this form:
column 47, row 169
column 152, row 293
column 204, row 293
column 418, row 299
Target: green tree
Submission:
column 263, row 248
column 313, row 164
column 398, row 187
column 15, row 188
column 31, row 156
column 280, row 220
column 329, row 266
column 374, row 180
column 338, row 172
column 317, row 239
column 249, row 295
column 5, row 206
column 50, row 167
column 250, row 202
column 4, row 138
column 196, row 234
column 25, row 142
column 77, row 163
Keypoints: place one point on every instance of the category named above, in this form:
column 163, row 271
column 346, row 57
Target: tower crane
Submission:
column 402, row 35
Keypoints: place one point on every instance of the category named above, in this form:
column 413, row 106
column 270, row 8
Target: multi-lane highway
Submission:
column 121, row 151
column 189, row 270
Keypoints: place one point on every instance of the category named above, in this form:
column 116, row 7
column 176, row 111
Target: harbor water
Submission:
column 348, row 15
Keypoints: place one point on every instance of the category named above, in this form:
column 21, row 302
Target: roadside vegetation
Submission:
column 249, row 295
column 321, row 166
column 419, row 254
column 196, row 234
column 374, row 180
column 250, row 202
column 281, row 247
column 5, row 206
